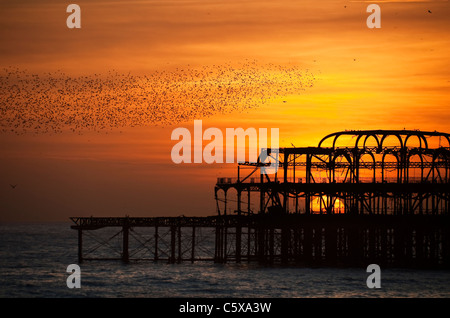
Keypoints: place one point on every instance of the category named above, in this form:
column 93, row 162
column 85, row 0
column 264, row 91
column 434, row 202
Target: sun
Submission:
column 319, row 205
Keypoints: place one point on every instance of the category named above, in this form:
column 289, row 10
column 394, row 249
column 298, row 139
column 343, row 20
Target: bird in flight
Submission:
column 429, row 11
column 13, row 186
column 101, row 102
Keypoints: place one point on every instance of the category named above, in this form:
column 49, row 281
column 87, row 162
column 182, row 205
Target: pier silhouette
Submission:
column 359, row 197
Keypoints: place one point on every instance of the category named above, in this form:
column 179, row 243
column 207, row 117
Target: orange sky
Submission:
column 390, row 78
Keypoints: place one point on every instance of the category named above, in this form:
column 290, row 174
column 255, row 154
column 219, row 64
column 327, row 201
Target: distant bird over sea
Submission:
column 56, row 102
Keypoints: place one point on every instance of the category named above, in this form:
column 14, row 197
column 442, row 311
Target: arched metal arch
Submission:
column 388, row 135
column 422, row 135
column 367, row 137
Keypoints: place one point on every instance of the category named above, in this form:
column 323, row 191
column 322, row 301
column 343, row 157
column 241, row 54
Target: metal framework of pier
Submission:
column 359, row 197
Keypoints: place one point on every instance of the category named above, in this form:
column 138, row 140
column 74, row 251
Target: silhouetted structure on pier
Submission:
column 360, row 197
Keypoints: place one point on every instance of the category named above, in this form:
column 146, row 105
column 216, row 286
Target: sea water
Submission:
column 34, row 259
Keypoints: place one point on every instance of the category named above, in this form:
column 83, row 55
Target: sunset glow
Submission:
column 113, row 91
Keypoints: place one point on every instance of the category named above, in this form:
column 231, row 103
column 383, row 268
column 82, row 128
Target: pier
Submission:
column 304, row 240
column 379, row 197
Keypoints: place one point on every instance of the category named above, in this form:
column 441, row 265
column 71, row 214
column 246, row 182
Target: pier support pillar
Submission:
column 155, row 258
column 285, row 245
column 180, row 252
column 307, row 244
column 193, row 245
column 331, row 245
column 172, row 244
column 238, row 243
column 221, row 244
column 125, row 255
column 271, row 243
column 80, row 246
column 261, row 244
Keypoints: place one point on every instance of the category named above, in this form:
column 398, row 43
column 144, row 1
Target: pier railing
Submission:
column 255, row 180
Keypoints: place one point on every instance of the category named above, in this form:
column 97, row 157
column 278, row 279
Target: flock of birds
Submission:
column 56, row 102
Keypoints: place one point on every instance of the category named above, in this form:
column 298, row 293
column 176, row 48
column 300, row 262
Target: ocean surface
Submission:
column 34, row 258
